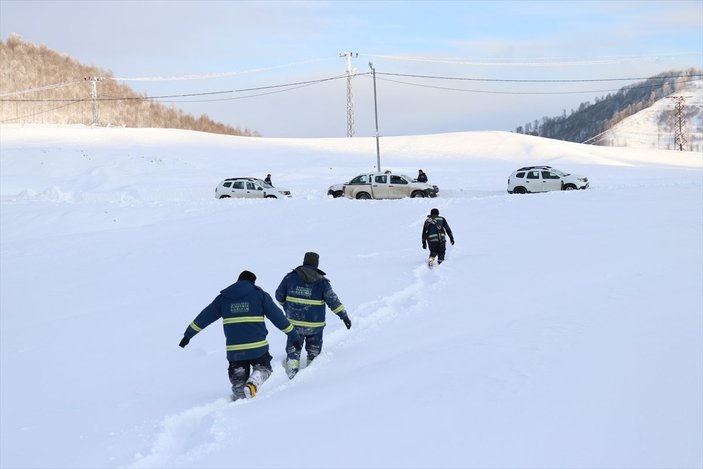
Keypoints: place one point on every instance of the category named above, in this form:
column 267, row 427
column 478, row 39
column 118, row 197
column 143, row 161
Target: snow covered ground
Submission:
column 565, row 329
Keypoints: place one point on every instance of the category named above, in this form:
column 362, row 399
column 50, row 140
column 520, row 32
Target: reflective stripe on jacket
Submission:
column 242, row 307
column 434, row 229
column 304, row 292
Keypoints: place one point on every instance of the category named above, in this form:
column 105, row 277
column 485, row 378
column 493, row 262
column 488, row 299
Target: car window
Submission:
column 533, row 175
column 398, row 180
column 250, row 186
column 228, row 184
column 363, row 179
column 383, row 179
column 549, row 175
column 520, row 175
column 238, row 185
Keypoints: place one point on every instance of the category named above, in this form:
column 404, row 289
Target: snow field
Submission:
column 564, row 330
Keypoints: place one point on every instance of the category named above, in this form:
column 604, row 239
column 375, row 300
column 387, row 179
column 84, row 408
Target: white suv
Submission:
column 544, row 179
column 249, row 188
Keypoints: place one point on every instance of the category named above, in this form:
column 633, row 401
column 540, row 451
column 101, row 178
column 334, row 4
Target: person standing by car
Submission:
column 303, row 294
column 242, row 307
column 421, row 176
column 434, row 233
column 268, row 180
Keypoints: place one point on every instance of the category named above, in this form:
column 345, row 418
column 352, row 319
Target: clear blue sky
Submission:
column 263, row 43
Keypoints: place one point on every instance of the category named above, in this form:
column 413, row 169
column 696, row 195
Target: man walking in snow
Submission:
column 303, row 294
column 434, row 232
column 242, row 307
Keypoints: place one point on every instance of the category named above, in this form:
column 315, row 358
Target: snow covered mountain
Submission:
column 654, row 127
column 563, row 331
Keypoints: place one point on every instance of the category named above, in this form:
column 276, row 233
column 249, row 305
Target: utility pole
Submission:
column 350, row 102
column 680, row 128
column 94, row 96
column 375, row 111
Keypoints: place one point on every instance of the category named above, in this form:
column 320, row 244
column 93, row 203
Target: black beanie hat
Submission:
column 434, row 211
column 312, row 259
column 246, row 275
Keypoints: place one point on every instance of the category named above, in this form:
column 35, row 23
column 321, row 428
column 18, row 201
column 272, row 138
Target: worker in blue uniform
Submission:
column 303, row 293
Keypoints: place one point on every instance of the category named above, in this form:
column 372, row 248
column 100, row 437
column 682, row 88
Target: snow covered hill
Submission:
column 564, row 330
column 653, row 127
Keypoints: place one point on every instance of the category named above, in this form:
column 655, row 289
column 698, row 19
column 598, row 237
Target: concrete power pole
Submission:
column 350, row 101
column 94, row 96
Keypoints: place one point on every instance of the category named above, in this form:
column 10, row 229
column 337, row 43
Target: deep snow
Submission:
column 564, row 330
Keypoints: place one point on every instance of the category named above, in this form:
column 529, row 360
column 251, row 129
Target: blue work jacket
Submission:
column 242, row 307
column 303, row 294
column 435, row 228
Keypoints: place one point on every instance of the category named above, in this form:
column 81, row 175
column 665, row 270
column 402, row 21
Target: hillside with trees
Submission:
column 41, row 86
column 592, row 119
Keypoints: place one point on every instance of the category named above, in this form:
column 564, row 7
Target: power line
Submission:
column 296, row 85
column 531, row 61
column 407, row 75
column 32, row 114
column 42, row 88
column 235, row 98
column 501, row 80
column 207, row 76
column 208, row 93
column 422, row 85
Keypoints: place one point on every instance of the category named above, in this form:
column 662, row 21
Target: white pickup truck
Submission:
column 386, row 185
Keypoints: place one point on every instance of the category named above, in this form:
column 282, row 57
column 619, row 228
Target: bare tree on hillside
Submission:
column 38, row 85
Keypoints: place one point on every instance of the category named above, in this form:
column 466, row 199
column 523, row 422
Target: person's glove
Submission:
column 347, row 322
column 452, row 241
column 184, row 342
column 424, row 245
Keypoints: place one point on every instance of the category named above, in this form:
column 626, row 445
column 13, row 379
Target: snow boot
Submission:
column 249, row 390
column 257, row 378
column 292, row 367
column 430, row 262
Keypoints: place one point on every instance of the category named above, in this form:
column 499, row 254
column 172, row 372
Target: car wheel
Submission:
column 337, row 194
column 519, row 190
column 224, row 197
column 363, row 195
column 271, row 197
column 569, row 187
column 417, row 194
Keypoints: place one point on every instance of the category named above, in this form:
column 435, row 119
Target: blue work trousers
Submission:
column 310, row 338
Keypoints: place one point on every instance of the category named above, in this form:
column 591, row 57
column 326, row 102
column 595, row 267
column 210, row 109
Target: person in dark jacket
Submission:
column 242, row 307
column 303, row 294
column 421, row 176
column 434, row 233
column 268, row 180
